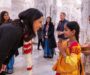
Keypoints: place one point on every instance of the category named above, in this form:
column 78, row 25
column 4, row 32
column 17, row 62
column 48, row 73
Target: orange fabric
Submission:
column 71, row 64
column 75, row 48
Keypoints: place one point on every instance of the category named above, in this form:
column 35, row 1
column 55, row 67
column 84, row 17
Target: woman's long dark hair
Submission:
column 73, row 25
column 50, row 20
column 2, row 16
column 27, row 18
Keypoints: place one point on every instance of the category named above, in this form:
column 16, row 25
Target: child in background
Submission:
column 69, row 61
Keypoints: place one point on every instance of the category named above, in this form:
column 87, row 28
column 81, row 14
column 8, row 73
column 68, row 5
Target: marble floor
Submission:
column 41, row 66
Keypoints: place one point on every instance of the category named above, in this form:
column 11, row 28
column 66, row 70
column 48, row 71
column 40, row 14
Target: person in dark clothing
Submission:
column 40, row 38
column 5, row 19
column 10, row 35
column 49, row 39
column 8, row 38
column 60, row 27
column 0, row 18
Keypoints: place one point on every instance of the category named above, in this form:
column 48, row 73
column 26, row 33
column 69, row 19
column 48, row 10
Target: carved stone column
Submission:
column 5, row 5
column 20, row 5
column 47, row 7
column 85, row 26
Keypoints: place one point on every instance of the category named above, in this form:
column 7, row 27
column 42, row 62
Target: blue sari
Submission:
column 47, row 50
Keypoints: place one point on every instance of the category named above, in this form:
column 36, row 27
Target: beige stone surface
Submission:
column 41, row 66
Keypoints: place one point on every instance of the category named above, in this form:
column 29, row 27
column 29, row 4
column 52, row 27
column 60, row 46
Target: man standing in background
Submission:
column 60, row 27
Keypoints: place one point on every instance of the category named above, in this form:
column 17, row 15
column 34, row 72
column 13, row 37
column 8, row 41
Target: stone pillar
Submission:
column 85, row 26
column 72, row 9
column 17, row 7
column 28, row 4
column 20, row 5
column 5, row 5
column 47, row 7
column 53, row 11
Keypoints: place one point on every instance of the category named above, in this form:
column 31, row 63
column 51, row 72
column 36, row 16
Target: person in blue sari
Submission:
column 49, row 38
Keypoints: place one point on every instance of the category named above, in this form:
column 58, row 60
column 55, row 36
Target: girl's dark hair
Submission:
column 27, row 17
column 73, row 25
column 2, row 16
column 50, row 20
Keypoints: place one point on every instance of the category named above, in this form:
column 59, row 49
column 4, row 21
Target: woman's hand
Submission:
column 46, row 37
column 3, row 68
column 60, row 32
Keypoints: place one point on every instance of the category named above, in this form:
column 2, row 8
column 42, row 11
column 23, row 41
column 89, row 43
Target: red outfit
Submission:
column 57, row 73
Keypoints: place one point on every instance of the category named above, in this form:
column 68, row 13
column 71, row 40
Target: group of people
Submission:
column 46, row 35
column 70, row 59
column 19, row 32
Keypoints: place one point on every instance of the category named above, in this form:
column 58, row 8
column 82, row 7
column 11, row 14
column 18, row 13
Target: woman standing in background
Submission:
column 49, row 38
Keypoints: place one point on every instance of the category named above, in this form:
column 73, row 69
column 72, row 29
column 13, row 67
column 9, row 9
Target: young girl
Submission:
column 69, row 62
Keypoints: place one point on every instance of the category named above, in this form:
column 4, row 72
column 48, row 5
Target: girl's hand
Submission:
column 61, row 48
column 59, row 45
